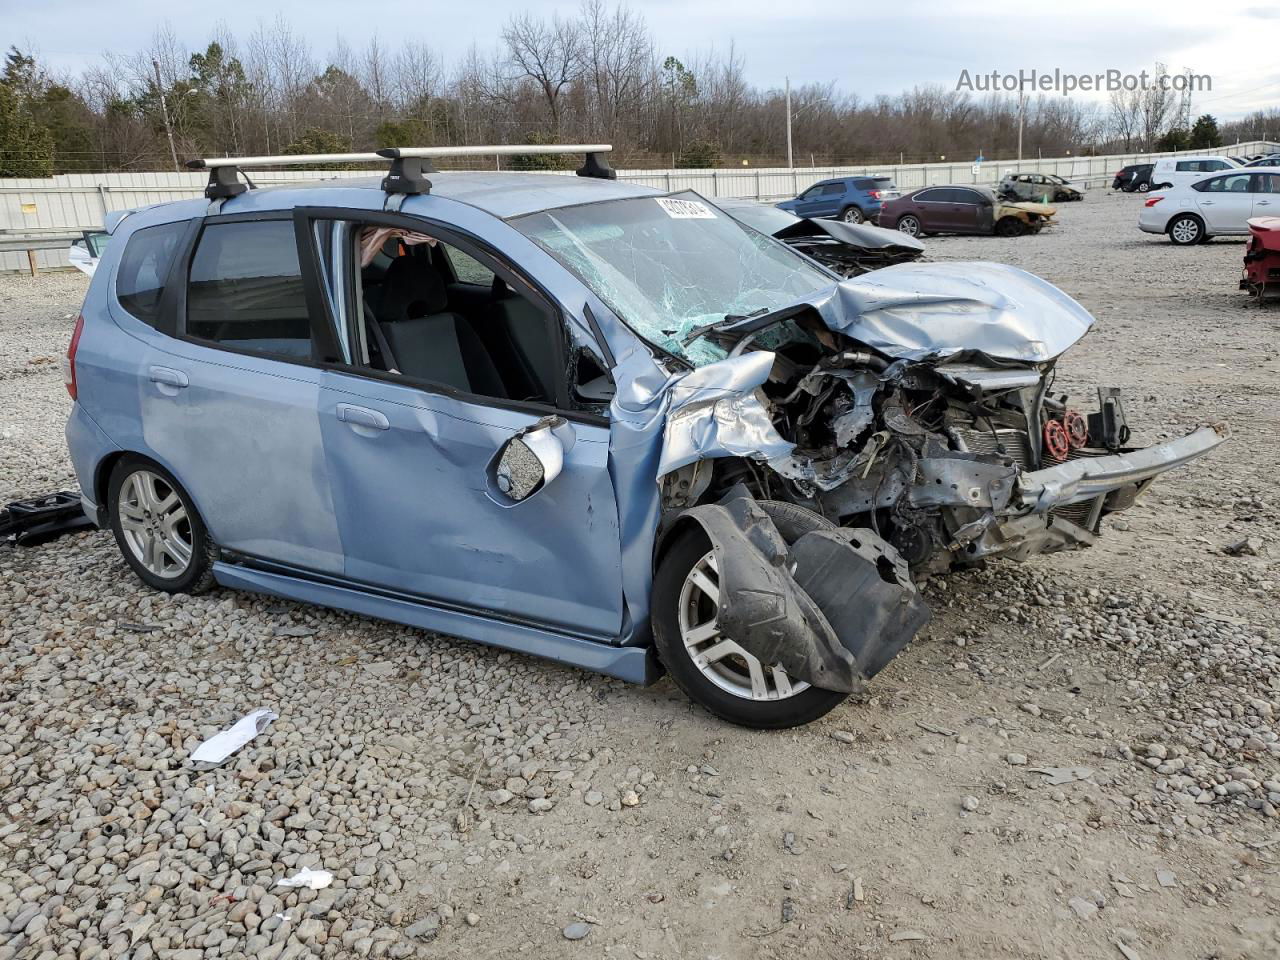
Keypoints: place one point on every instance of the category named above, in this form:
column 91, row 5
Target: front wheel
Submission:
column 1186, row 229
column 1010, row 227
column 909, row 225
column 851, row 215
column 712, row 669
column 1144, row 187
column 157, row 528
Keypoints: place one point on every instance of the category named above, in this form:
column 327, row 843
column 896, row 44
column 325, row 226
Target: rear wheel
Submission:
column 1144, row 187
column 910, row 225
column 712, row 669
column 157, row 528
column 851, row 215
column 1186, row 229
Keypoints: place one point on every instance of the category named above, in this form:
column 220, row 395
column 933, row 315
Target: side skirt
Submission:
column 632, row 664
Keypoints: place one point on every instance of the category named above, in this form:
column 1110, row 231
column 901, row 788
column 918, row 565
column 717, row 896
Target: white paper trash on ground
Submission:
column 306, row 877
column 222, row 745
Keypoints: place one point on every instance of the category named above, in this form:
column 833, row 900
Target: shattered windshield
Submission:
column 669, row 265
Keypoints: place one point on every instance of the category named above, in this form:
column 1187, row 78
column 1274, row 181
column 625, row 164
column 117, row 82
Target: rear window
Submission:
column 143, row 268
column 246, row 290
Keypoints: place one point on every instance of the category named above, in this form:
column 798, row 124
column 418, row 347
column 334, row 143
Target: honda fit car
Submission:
column 578, row 418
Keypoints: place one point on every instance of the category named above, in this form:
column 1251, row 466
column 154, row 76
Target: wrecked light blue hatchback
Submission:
column 578, row 418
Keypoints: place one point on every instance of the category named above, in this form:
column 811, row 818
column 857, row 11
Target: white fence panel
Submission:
column 79, row 201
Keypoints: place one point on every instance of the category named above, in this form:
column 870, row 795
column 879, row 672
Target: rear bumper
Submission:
column 1085, row 479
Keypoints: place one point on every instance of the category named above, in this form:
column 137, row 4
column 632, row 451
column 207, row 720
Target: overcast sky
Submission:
column 867, row 49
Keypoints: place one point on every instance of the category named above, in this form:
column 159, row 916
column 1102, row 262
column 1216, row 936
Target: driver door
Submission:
column 409, row 457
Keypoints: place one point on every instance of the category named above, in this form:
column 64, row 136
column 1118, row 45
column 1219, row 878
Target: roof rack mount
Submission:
column 409, row 165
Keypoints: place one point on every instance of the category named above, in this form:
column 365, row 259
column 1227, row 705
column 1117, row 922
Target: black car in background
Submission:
column 1136, row 176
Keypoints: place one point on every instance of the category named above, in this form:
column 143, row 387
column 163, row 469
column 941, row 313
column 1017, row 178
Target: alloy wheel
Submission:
column 852, row 215
column 155, row 524
column 1185, row 230
column 910, row 226
column 719, row 659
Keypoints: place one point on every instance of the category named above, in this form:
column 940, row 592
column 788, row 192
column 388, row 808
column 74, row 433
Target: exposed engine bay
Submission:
column 923, row 463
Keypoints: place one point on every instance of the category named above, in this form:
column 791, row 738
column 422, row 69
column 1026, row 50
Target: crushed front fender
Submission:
column 831, row 606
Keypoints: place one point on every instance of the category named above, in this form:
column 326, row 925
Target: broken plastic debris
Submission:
column 1056, row 775
column 222, row 745
column 306, row 877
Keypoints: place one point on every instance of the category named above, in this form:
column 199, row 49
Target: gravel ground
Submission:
column 1078, row 759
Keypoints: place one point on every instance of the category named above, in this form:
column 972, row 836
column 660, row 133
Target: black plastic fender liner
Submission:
column 864, row 589
column 831, row 608
column 761, row 606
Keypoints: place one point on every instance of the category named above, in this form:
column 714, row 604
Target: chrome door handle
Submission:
column 169, row 377
column 363, row 417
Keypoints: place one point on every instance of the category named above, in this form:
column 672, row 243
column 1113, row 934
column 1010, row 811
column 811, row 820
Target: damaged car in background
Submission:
column 848, row 249
column 582, row 419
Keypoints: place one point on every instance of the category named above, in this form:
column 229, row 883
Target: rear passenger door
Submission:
column 230, row 393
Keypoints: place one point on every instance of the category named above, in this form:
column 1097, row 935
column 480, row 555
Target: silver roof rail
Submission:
column 409, row 165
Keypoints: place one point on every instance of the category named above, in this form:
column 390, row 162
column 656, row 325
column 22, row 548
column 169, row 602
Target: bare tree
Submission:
column 546, row 52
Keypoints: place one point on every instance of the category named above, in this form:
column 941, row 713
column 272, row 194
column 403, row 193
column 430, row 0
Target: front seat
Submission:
column 525, row 329
column 427, row 340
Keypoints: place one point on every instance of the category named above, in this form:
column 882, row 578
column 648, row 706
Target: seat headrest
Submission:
column 411, row 288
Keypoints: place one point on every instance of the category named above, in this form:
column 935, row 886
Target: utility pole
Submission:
column 164, row 112
column 1022, row 98
column 790, row 162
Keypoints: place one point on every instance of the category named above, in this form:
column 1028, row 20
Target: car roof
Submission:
column 501, row 193
column 957, row 186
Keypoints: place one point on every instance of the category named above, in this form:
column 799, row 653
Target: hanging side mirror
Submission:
column 530, row 461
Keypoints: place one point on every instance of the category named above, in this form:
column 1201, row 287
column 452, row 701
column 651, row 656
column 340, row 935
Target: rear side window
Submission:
column 143, row 268
column 829, row 189
column 246, row 290
column 931, row 196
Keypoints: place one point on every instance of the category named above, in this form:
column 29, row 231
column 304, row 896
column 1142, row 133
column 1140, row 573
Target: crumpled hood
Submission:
column 918, row 310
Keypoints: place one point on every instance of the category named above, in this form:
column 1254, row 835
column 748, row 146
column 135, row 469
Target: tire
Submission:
column 1186, row 229
column 852, row 215
column 157, row 528
column 1143, row 187
column 712, row 686
column 909, row 224
column 1010, row 227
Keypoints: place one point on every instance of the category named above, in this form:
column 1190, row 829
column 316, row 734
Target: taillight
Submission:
column 875, row 194
column 1152, row 201
column 69, row 361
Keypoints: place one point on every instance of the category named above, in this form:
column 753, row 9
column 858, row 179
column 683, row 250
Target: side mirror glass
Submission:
column 530, row 461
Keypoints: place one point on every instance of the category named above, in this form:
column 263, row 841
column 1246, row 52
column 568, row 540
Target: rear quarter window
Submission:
column 144, row 266
column 246, row 290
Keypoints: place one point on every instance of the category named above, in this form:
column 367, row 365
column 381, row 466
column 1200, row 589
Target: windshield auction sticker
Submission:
column 685, row 209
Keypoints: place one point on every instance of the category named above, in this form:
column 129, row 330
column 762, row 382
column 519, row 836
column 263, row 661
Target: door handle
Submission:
column 362, row 417
column 1206, row 203
column 169, row 377
column 1263, row 203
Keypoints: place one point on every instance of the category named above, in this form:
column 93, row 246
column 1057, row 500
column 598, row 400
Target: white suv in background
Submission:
column 1178, row 171
column 1213, row 206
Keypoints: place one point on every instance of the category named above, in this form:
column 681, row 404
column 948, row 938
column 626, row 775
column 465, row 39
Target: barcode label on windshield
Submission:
column 685, row 209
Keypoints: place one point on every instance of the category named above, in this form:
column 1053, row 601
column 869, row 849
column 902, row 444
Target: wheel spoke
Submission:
column 155, row 553
column 167, row 503
column 759, row 686
column 704, row 583
column 721, row 650
column 130, row 522
column 781, row 681
column 179, row 551
column 701, row 633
